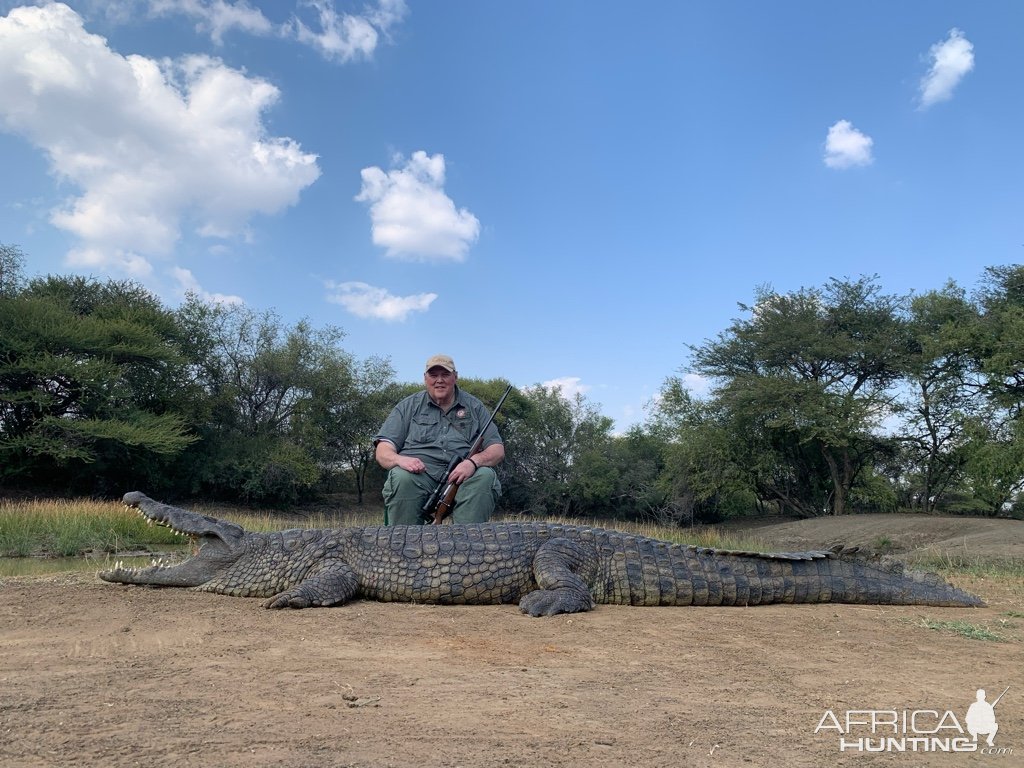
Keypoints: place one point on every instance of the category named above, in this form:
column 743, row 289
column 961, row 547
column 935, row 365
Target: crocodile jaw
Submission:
column 218, row 544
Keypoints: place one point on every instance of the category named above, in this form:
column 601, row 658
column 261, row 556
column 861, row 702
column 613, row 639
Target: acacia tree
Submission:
column 91, row 375
column 995, row 453
column 803, row 385
column 346, row 425
column 705, row 475
column 994, row 465
column 1000, row 346
column 551, row 452
column 944, row 392
column 267, row 383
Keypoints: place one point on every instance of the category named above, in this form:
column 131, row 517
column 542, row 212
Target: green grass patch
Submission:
column 70, row 528
column 883, row 545
column 964, row 629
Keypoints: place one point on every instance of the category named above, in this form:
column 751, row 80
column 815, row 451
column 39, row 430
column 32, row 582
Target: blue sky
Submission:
column 568, row 191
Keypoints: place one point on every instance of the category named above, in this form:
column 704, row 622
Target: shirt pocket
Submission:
column 464, row 427
column 423, row 430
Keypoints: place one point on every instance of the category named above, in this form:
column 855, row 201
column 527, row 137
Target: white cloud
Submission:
column 412, row 217
column 150, row 145
column 846, row 147
column 951, row 60
column 696, row 384
column 187, row 283
column 344, row 36
column 567, row 386
column 364, row 300
column 216, row 17
column 387, row 13
column 117, row 260
column 339, row 36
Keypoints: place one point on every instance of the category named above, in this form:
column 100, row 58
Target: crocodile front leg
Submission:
column 563, row 570
column 332, row 583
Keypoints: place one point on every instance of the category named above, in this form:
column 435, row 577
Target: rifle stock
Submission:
column 442, row 500
column 436, row 497
column 446, row 504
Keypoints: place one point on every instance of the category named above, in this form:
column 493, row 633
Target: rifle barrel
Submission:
column 1000, row 696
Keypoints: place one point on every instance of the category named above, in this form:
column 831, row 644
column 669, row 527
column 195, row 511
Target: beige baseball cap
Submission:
column 442, row 360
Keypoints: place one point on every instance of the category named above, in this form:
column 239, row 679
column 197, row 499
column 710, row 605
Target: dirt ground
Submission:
column 96, row 674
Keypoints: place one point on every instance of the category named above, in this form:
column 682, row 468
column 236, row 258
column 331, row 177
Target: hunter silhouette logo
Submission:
column 917, row 730
column 981, row 717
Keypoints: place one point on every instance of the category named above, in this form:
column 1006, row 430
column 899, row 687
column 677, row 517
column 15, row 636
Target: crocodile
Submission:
column 547, row 568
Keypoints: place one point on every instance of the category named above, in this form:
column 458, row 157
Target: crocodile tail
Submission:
column 857, row 579
column 717, row 577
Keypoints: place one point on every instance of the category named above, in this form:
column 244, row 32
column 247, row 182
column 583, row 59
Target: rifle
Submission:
column 999, row 697
column 441, row 502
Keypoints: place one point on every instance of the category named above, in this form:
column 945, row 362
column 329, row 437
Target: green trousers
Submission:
column 405, row 493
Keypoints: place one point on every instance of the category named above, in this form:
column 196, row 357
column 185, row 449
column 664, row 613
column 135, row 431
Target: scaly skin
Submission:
column 546, row 568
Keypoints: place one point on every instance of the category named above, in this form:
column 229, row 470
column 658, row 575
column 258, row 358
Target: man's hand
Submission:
column 388, row 457
column 410, row 464
column 490, row 456
column 462, row 472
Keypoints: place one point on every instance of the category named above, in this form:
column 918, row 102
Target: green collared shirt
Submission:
column 418, row 427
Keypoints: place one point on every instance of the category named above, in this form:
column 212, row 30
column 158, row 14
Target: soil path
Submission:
column 94, row 674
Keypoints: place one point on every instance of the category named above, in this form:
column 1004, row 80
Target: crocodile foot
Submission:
column 548, row 602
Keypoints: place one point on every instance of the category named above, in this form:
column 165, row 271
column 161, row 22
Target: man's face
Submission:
column 440, row 383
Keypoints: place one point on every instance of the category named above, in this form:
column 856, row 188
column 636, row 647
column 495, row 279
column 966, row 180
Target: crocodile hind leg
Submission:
column 562, row 569
column 331, row 584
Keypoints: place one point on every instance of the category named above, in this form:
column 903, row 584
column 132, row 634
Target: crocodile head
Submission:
column 218, row 545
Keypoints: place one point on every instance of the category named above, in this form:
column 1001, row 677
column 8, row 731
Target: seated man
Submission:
column 422, row 434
